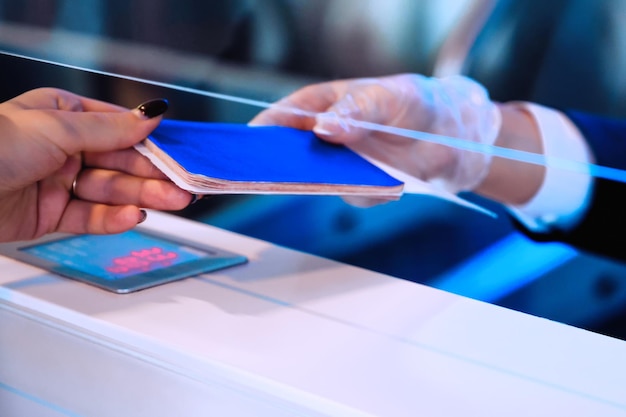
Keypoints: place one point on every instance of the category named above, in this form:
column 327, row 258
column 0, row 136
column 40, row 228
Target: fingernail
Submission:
column 195, row 198
column 329, row 124
column 143, row 215
column 319, row 130
column 152, row 108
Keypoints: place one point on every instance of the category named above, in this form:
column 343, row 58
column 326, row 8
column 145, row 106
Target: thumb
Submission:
column 335, row 125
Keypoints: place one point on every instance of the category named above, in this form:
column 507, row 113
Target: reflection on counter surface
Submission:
column 263, row 50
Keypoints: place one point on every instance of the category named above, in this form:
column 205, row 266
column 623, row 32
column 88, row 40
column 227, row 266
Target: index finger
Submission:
column 292, row 110
column 58, row 99
column 74, row 132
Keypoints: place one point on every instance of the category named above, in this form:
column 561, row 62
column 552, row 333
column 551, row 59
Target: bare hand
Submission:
column 67, row 165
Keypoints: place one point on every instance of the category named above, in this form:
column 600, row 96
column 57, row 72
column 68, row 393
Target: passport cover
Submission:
column 209, row 158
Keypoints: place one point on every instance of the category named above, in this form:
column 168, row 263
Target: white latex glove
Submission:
column 454, row 106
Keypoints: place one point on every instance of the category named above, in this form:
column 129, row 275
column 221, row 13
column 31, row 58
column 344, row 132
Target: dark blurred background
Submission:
column 561, row 53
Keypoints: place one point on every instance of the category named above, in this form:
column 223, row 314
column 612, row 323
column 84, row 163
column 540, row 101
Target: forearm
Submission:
column 543, row 198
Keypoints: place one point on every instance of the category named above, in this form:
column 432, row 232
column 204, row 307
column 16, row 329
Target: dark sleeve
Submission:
column 603, row 228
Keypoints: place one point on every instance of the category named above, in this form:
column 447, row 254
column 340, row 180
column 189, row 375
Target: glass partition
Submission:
column 224, row 61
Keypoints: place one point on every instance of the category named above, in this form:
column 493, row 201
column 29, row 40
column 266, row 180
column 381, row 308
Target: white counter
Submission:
column 288, row 334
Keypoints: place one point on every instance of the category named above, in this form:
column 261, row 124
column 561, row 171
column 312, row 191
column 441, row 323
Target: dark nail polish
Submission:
column 143, row 215
column 195, row 198
column 153, row 108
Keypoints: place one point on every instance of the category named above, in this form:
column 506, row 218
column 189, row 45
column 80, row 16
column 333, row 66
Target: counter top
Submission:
column 290, row 334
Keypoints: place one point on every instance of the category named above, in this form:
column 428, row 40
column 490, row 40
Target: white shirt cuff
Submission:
column 563, row 197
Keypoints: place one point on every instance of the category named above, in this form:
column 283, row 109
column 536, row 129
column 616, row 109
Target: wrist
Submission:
column 508, row 181
column 563, row 196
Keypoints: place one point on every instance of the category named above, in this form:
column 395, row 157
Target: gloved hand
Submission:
column 454, row 106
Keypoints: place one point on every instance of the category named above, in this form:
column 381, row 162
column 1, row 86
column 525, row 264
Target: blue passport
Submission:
column 205, row 157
